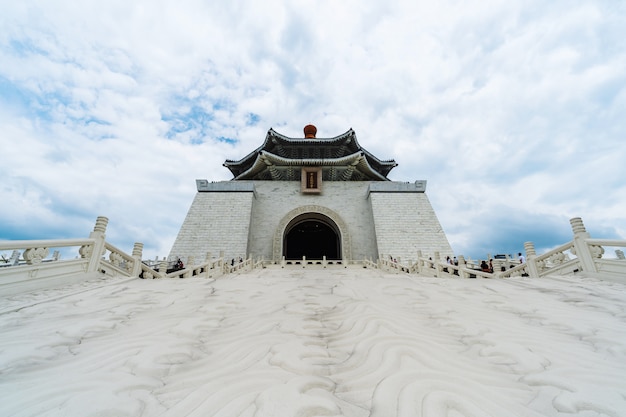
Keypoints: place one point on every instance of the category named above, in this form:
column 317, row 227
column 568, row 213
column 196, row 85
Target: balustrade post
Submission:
column 583, row 252
column 208, row 265
column 191, row 261
column 95, row 253
column 531, row 259
column 15, row 258
column 419, row 261
column 436, row 264
column 462, row 266
column 324, row 262
column 137, row 253
column 163, row 268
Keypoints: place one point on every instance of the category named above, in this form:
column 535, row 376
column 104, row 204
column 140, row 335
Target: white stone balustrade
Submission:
column 582, row 255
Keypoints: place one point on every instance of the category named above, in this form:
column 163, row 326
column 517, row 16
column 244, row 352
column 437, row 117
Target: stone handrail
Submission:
column 245, row 265
column 36, row 251
column 390, row 265
column 304, row 262
column 210, row 268
column 96, row 256
column 367, row 263
column 581, row 255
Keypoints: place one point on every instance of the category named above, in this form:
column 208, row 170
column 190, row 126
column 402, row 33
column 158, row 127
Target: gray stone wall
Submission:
column 216, row 221
column 406, row 223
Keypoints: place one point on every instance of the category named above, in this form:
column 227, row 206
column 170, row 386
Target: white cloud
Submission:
column 116, row 108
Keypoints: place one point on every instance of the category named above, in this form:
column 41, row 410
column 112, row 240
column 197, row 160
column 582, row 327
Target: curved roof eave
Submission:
column 357, row 158
column 251, row 159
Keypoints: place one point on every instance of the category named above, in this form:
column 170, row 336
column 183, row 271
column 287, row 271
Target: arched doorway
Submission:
column 312, row 235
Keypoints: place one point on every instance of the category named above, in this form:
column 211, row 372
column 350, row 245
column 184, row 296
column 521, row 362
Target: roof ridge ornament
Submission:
column 310, row 131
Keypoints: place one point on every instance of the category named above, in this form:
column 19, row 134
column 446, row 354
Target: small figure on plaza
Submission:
column 179, row 264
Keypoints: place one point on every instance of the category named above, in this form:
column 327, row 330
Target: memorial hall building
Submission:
column 310, row 197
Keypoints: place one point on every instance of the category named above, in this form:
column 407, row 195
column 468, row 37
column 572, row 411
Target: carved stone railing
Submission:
column 245, row 265
column 34, row 270
column 95, row 257
column 368, row 263
column 581, row 255
column 20, row 273
column 210, row 268
column 304, row 262
column 393, row 265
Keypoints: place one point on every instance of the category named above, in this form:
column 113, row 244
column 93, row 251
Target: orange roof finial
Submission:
column 310, row 131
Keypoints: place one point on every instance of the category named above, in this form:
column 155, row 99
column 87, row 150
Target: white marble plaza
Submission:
column 316, row 342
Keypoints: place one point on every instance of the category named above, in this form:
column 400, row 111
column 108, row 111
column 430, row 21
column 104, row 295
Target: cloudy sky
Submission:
column 514, row 111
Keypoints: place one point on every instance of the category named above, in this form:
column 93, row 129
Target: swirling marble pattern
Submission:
column 334, row 342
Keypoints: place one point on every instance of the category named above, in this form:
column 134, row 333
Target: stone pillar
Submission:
column 191, row 261
column 96, row 252
column 531, row 259
column 163, row 268
column 462, row 265
column 581, row 249
column 419, row 261
column 436, row 264
column 137, row 252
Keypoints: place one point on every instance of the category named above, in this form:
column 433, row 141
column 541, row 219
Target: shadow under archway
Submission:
column 313, row 236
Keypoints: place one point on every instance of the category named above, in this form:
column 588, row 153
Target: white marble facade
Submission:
column 248, row 219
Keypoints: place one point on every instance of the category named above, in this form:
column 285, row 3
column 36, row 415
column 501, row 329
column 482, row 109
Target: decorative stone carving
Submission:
column 85, row 251
column 101, row 224
column 115, row 258
column 137, row 250
column 596, row 251
column 34, row 256
column 577, row 225
column 529, row 248
column 558, row 258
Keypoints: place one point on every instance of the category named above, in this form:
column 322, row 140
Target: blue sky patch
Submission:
column 252, row 119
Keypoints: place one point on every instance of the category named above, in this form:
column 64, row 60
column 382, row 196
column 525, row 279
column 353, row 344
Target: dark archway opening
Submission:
column 312, row 238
